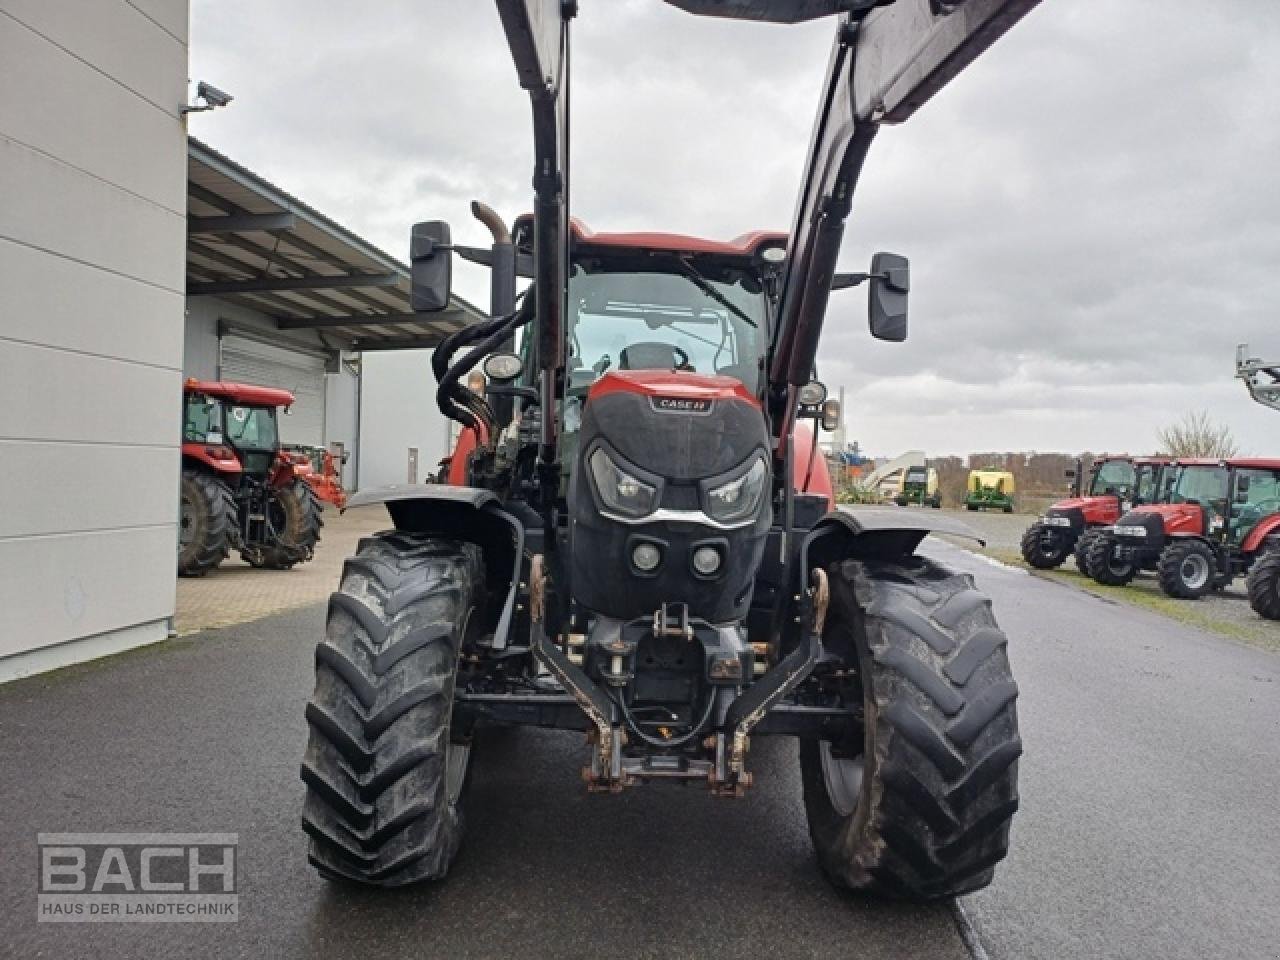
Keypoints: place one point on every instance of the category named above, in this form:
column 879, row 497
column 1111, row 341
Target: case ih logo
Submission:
column 681, row 405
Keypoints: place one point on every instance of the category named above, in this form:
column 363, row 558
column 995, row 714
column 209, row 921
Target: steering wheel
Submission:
column 682, row 358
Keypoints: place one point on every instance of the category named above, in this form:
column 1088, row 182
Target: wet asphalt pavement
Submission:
column 1149, row 823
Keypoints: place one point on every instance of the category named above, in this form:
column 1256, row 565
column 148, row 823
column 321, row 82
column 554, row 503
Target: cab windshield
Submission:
column 708, row 321
column 251, row 428
column 1146, row 491
column 1114, row 476
column 1205, row 485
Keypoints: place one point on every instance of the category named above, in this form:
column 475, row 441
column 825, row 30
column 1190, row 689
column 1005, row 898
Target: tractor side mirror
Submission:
column 431, row 266
column 887, row 301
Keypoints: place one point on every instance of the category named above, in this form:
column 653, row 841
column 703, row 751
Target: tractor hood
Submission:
column 1087, row 511
column 670, row 496
column 1174, row 518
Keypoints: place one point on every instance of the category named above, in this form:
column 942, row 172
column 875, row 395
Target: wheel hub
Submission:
column 843, row 778
column 1194, row 571
column 186, row 522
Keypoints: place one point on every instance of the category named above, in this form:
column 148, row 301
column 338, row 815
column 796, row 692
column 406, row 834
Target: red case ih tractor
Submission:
column 642, row 545
column 1069, row 526
column 1220, row 518
column 240, row 490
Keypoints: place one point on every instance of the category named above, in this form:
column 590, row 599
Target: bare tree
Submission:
column 1197, row 435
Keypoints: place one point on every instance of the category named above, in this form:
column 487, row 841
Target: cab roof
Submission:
column 745, row 246
column 1257, row 463
column 246, row 393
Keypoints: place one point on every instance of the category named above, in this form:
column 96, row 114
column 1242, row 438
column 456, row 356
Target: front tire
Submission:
column 384, row 768
column 1263, row 584
column 1187, row 569
column 1045, row 547
column 207, row 522
column 1105, row 566
column 296, row 516
column 919, row 807
column 1081, row 551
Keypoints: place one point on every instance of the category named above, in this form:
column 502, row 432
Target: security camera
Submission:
column 212, row 95
column 208, row 97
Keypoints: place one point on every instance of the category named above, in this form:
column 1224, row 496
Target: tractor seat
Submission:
column 648, row 356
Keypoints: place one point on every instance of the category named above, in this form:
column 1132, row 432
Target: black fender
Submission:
column 470, row 514
column 864, row 533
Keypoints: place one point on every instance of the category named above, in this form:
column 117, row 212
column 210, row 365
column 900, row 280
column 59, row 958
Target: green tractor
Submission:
column 919, row 485
column 990, row 489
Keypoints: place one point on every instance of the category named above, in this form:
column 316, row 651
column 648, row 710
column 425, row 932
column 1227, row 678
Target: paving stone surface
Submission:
column 236, row 592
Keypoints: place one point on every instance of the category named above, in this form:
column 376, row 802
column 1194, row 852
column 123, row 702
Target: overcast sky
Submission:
column 1092, row 210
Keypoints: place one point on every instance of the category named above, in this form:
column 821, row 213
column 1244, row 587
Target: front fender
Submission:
column 866, row 533
column 1268, row 526
column 469, row 514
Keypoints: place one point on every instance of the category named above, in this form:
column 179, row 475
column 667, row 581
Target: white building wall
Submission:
column 398, row 411
column 92, row 245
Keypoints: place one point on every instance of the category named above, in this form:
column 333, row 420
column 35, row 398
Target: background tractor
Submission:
column 919, row 485
column 641, row 542
column 1064, row 529
column 1219, row 518
column 240, row 489
column 990, row 489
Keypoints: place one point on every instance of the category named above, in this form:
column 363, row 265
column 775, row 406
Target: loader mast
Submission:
column 538, row 35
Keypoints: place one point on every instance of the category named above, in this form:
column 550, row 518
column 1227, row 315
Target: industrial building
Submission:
column 131, row 258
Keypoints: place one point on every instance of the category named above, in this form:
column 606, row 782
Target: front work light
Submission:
column 619, row 491
column 706, row 560
column 646, row 557
column 738, row 499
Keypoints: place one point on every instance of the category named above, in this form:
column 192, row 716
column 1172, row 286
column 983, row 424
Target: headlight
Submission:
column 1131, row 531
column 738, row 499
column 619, row 490
column 1057, row 521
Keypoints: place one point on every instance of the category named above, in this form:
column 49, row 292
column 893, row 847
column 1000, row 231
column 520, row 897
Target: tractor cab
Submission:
column 232, row 427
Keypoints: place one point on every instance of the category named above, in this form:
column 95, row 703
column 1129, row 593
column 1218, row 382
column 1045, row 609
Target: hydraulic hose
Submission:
column 454, row 400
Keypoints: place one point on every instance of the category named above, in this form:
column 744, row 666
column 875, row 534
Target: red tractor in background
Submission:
column 240, row 489
column 1220, row 516
column 1068, row 527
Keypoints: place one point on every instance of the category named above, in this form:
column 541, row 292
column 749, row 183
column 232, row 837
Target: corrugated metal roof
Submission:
column 252, row 243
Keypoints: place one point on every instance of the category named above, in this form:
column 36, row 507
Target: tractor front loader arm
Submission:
column 888, row 58
column 886, row 61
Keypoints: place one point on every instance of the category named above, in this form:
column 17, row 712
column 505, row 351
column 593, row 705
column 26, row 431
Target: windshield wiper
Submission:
column 705, row 285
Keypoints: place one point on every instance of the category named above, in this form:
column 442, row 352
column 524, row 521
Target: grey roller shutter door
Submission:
column 302, row 374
